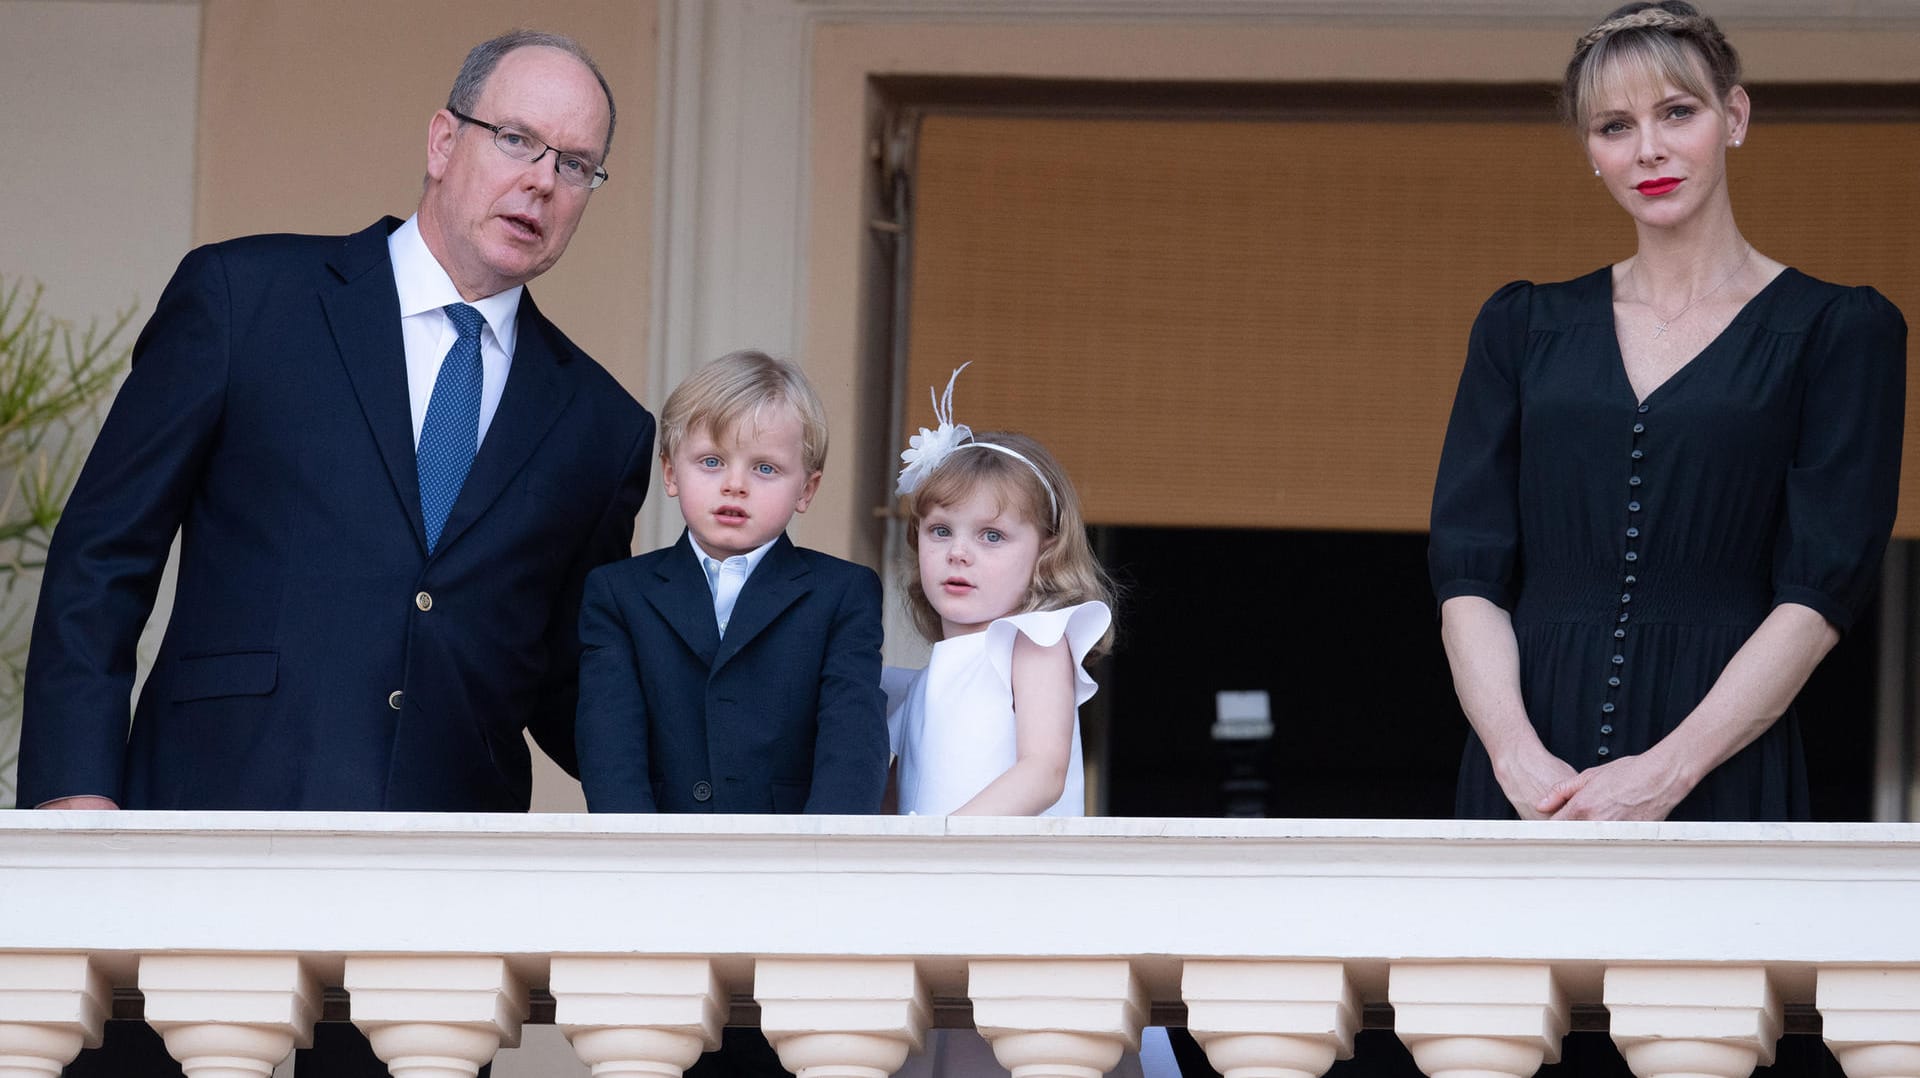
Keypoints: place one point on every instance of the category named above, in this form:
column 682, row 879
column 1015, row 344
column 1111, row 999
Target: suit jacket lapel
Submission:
column 364, row 312
column 679, row 592
column 776, row 583
column 537, row 391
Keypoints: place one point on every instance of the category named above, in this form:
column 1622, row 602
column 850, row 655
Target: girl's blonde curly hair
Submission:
column 1067, row 573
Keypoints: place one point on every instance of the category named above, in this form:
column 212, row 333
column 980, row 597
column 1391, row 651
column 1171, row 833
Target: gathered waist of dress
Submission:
column 1682, row 594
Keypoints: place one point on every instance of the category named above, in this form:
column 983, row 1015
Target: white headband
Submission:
column 930, row 447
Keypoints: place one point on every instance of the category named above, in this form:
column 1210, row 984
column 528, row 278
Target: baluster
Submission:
column 1270, row 1019
column 436, row 1017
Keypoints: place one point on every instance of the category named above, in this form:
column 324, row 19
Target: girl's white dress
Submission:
column 952, row 723
column 952, row 726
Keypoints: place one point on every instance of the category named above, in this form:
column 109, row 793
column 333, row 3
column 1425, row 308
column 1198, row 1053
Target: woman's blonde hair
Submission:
column 1066, row 574
column 1670, row 42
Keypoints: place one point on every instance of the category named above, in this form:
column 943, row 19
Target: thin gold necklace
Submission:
column 1660, row 326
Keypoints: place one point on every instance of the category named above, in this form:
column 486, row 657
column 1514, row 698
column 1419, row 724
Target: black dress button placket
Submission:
column 1629, row 577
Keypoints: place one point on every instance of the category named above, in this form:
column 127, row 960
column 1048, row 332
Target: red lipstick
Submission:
column 1655, row 188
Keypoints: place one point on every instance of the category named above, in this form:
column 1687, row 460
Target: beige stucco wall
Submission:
column 96, row 188
column 98, row 204
column 313, row 118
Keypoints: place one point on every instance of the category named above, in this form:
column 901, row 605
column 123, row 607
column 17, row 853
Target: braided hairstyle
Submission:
column 1668, row 41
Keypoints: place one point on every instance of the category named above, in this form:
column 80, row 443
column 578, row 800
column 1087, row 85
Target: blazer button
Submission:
column 423, row 601
column 394, row 698
column 702, row 791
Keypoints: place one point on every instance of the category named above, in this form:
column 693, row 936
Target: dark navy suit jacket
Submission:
column 783, row 715
column 317, row 657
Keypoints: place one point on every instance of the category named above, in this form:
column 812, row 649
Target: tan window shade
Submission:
column 1261, row 323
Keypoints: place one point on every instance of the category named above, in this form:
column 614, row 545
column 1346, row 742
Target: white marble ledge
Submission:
column 368, row 824
column 1157, row 890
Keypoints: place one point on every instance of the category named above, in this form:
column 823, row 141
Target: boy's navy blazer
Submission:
column 783, row 715
column 318, row 656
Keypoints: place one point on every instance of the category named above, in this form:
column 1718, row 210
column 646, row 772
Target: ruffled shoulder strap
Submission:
column 1082, row 626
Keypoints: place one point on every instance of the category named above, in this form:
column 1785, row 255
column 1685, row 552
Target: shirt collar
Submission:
column 754, row 556
column 424, row 286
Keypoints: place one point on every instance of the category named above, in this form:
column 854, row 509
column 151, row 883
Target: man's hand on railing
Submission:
column 84, row 801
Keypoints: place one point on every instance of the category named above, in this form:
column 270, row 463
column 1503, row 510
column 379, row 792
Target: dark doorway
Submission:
column 1339, row 629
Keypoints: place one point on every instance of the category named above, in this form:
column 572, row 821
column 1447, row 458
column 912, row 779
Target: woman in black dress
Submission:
column 1667, row 485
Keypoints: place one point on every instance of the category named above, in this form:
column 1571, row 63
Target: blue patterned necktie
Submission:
column 450, row 434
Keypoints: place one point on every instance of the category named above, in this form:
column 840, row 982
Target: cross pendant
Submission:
column 1659, row 329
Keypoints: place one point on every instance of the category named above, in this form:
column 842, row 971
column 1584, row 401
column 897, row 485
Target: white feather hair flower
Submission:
column 929, row 447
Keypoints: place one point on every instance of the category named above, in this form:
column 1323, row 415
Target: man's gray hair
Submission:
column 487, row 55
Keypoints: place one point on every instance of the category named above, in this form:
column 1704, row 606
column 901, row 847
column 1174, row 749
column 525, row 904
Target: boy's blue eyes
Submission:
column 762, row 468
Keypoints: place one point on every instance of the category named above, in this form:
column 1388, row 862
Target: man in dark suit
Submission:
column 390, row 474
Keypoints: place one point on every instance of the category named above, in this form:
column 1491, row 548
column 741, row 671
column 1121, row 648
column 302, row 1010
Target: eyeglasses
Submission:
column 517, row 144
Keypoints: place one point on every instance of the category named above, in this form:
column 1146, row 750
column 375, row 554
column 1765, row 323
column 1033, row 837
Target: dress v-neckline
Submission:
column 1620, row 357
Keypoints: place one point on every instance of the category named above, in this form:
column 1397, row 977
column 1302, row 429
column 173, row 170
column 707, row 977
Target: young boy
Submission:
column 734, row 671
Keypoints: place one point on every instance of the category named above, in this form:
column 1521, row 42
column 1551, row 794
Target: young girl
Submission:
column 1008, row 591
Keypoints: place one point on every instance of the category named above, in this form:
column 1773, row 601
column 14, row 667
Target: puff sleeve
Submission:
column 1474, row 547
column 1844, row 485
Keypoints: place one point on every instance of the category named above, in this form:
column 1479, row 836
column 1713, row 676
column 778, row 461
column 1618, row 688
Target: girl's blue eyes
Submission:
column 709, row 462
column 991, row 535
column 764, row 469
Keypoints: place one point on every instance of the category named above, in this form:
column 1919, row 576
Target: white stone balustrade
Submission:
column 1275, row 936
column 638, row 1017
column 230, row 1016
column 841, row 1018
column 51, row 1005
column 436, row 1016
column 1464, row 1019
column 1872, row 1020
column 1057, row 1018
column 1271, row 1019
column 1693, row 1021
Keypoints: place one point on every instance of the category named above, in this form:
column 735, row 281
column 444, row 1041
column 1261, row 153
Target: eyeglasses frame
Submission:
column 599, row 171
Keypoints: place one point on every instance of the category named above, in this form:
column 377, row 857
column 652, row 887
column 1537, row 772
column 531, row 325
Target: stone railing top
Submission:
column 1157, row 890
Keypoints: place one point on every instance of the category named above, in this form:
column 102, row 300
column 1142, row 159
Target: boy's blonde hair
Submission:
column 1066, row 574
column 738, row 387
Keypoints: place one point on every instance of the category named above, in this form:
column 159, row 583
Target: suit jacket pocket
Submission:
column 234, row 673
